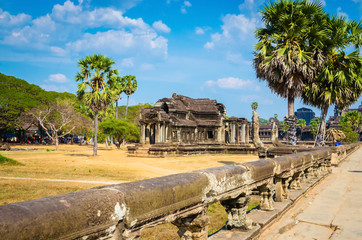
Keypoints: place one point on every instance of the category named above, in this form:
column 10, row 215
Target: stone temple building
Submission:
column 182, row 120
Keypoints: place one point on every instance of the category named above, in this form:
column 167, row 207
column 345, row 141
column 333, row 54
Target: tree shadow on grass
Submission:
column 227, row 162
column 78, row 155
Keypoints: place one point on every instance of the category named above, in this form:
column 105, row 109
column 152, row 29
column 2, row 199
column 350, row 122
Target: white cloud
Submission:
column 7, row 20
column 69, row 30
column 184, row 7
column 127, row 62
column 55, row 88
column 323, row 2
column 121, row 42
column 147, row 67
column 341, row 14
column 248, row 4
column 161, row 27
column 199, row 31
column 58, row 78
column 235, row 29
column 187, row 4
column 231, row 83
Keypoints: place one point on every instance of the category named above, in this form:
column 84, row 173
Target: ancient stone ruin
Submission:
column 183, row 125
column 184, row 120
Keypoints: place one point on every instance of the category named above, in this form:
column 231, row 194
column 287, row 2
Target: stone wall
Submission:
column 121, row 211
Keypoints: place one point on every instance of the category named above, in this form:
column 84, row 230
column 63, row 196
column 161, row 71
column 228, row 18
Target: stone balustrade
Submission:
column 121, row 211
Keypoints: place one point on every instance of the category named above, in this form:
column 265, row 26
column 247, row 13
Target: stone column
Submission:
column 267, row 193
column 236, row 210
column 143, row 134
column 295, row 184
column 243, row 133
column 193, row 227
column 247, row 133
column 237, row 133
column 281, row 188
column 232, row 133
column 148, row 134
column 157, row 133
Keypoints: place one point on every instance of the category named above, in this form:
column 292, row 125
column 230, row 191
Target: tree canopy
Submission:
column 17, row 97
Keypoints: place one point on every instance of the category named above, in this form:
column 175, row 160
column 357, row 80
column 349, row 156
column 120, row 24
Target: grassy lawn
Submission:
column 73, row 162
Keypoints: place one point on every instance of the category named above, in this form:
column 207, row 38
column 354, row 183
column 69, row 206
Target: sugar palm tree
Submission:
column 340, row 78
column 130, row 87
column 287, row 54
column 118, row 86
column 96, row 78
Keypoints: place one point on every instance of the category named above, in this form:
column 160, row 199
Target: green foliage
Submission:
column 254, row 106
column 96, row 87
column 314, row 123
column 302, row 123
column 350, row 124
column 133, row 111
column 263, row 122
column 287, row 55
column 18, row 96
column 96, row 77
column 130, row 84
column 283, row 126
column 9, row 162
column 120, row 129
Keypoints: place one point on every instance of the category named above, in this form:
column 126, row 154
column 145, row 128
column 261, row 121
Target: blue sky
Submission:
column 201, row 49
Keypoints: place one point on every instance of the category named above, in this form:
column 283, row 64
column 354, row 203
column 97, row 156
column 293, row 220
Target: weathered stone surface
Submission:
column 152, row 198
column 223, row 180
column 236, row 209
column 261, row 169
column 92, row 213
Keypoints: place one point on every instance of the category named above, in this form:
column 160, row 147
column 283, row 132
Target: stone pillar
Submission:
column 243, row 133
column 236, row 209
column 295, row 184
column 163, row 133
column 193, row 227
column 267, row 193
column 237, row 132
column 247, row 133
column 143, row 134
column 232, row 133
column 157, row 133
column 148, row 134
column 281, row 188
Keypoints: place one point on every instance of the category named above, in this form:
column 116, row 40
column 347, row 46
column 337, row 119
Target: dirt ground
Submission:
column 72, row 168
column 74, row 162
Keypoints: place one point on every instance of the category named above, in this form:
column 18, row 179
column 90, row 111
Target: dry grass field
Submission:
column 79, row 170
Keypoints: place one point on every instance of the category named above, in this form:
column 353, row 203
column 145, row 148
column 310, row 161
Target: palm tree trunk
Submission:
column 125, row 116
column 290, row 106
column 95, row 143
column 117, row 109
column 291, row 122
column 322, row 127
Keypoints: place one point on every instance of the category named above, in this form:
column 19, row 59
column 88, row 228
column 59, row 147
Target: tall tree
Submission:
column 119, row 87
column 130, row 87
column 56, row 119
column 96, row 77
column 287, row 54
column 351, row 124
column 340, row 78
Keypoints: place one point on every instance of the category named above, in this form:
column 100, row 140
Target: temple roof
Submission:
column 187, row 112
